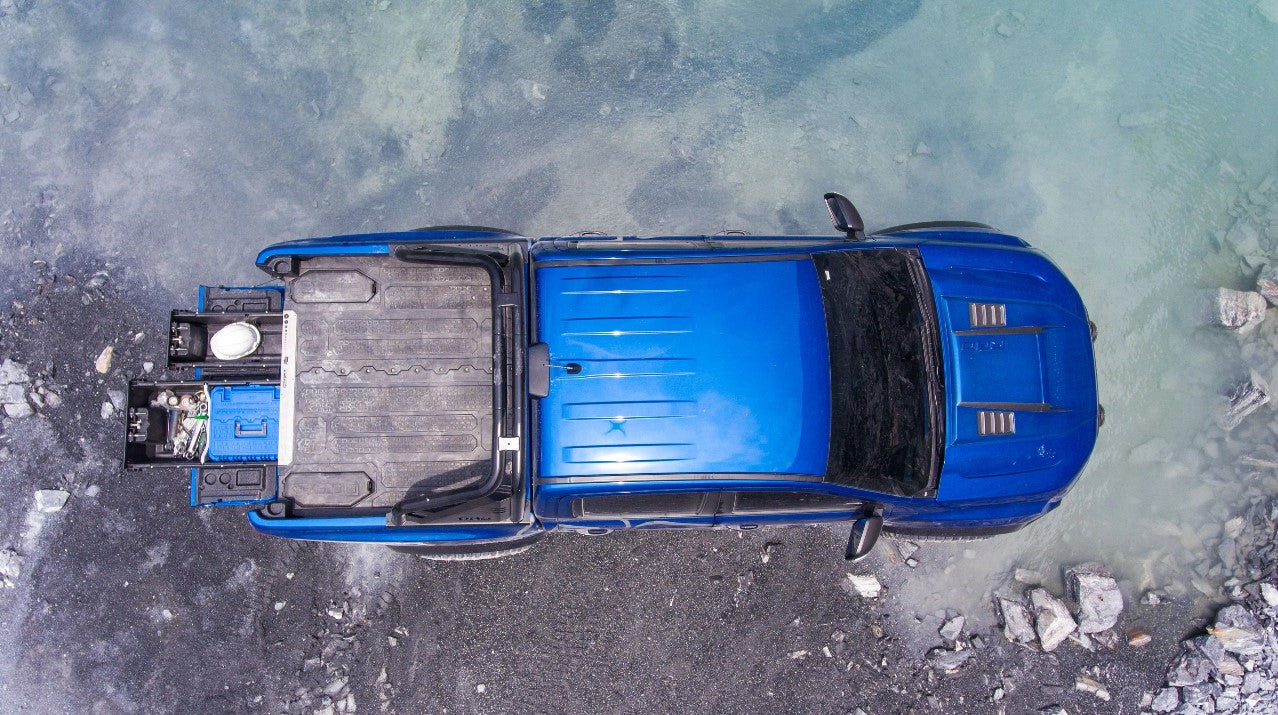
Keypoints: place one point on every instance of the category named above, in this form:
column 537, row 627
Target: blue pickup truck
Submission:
column 459, row 392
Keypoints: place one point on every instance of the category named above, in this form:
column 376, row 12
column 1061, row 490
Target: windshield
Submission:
column 885, row 383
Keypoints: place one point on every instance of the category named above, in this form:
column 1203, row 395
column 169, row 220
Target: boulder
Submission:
column 1240, row 311
column 1052, row 620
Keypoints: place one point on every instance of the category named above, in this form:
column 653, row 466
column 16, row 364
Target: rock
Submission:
column 92, row 490
column 864, row 585
column 1268, row 9
column 1269, row 593
column 1100, row 603
column 1027, row 577
column 1052, row 709
column 922, row 149
column 953, row 628
column 797, row 654
column 948, row 661
column 106, row 411
column 49, row 501
column 1201, row 694
column 1107, row 639
column 907, row 548
column 1167, row 700
column 5, row 454
column 148, row 366
column 1190, row 668
column 1267, row 283
column 1240, row 311
column 1017, row 626
column 1239, row 631
column 1052, row 620
column 1246, row 399
column 1138, row 637
column 1243, row 237
column 103, row 363
column 10, row 567
column 1090, row 685
column 18, row 410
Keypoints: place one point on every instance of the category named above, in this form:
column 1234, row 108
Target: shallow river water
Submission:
column 1115, row 136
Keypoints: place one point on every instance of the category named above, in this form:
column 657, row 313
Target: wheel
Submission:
column 472, row 551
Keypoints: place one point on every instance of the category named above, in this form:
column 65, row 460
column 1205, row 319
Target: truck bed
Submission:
column 392, row 392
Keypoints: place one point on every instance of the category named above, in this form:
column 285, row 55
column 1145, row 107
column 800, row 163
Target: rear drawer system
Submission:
column 224, row 425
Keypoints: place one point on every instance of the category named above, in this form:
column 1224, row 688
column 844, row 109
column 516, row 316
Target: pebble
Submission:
column 10, row 567
column 1245, row 399
column 1087, row 684
column 49, row 501
column 1138, row 637
column 148, row 366
column 864, row 585
column 103, row 363
column 106, row 411
column 953, row 628
column 948, row 661
column 92, row 490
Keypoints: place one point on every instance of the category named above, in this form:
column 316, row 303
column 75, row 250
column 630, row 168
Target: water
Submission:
column 174, row 140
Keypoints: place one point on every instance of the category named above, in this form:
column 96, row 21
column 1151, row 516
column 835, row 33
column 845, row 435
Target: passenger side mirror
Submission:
column 865, row 533
column 845, row 216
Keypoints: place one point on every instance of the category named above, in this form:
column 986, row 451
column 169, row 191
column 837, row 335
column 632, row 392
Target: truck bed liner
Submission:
column 394, row 381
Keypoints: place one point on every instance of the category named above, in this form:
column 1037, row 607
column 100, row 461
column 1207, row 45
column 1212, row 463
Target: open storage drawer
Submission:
column 227, row 431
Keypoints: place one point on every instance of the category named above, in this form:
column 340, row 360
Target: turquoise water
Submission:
column 178, row 139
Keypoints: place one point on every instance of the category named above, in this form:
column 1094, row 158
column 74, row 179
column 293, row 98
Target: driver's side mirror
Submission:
column 865, row 533
column 845, row 216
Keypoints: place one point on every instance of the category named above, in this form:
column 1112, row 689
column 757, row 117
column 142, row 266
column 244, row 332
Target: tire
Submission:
column 474, row 551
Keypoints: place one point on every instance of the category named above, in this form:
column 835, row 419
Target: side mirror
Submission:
column 865, row 533
column 845, row 216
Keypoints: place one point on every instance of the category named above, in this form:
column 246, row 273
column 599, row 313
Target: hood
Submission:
column 703, row 368
column 1020, row 375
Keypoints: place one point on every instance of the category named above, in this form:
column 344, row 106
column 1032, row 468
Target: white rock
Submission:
column 106, row 411
column 1240, row 311
column 279, row 605
column 148, row 366
column 1017, row 626
column 865, row 585
column 13, row 373
column 10, row 567
column 49, row 501
column 1269, row 593
column 103, row 363
column 1052, row 620
column 1100, row 603
column 92, row 490
column 18, row 410
column 1028, row 577
column 953, row 628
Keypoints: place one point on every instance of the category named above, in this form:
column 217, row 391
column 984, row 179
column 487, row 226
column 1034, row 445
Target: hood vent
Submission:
column 987, row 315
column 990, row 423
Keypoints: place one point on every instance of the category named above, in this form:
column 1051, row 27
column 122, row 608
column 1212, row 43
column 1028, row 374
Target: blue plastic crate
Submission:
column 244, row 423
